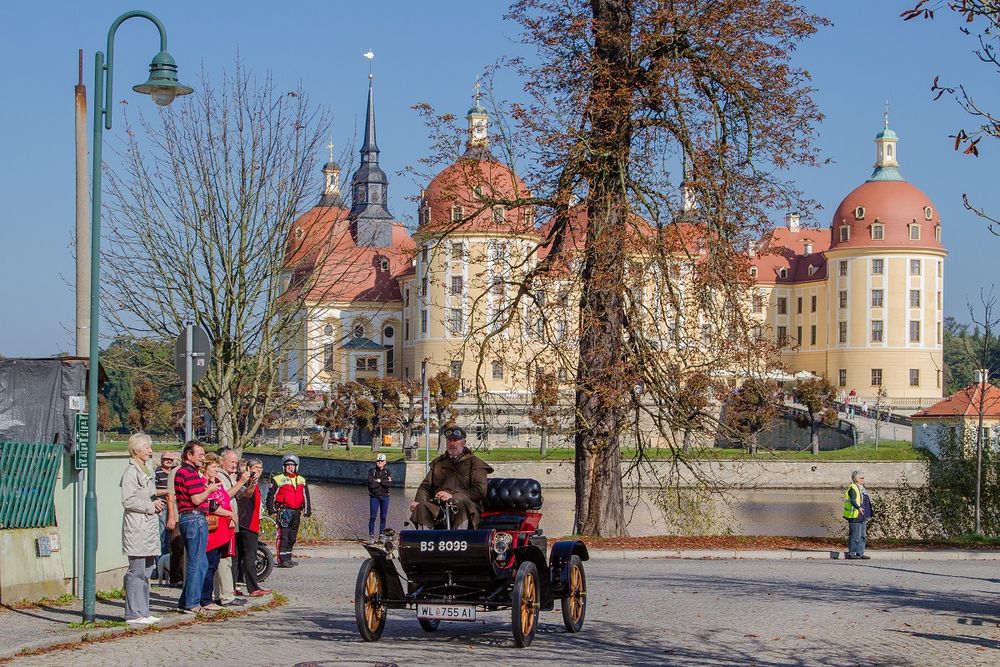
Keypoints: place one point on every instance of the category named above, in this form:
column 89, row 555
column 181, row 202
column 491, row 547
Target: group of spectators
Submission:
column 198, row 517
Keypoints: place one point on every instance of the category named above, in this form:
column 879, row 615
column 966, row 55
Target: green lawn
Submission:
column 892, row 450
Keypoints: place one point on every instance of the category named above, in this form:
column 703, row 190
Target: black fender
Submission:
column 530, row 552
column 559, row 559
column 395, row 596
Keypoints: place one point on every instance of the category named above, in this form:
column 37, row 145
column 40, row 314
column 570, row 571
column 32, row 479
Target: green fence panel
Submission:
column 28, row 473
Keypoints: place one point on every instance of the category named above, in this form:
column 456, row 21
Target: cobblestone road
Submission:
column 641, row 612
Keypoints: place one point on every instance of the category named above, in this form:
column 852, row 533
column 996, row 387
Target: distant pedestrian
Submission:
column 379, row 483
column 864, row 409
column 140, row 529
column 288, row 500
column 858, row 512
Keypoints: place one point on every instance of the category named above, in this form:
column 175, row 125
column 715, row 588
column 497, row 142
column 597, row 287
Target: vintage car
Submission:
column 453, row 575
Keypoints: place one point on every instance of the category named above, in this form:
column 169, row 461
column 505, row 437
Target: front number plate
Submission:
column 445, row 612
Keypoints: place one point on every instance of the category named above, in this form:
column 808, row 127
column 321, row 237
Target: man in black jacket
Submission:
column 379, row 482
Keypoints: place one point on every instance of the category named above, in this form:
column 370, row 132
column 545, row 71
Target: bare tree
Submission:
column 443, row 390
column 199, row 214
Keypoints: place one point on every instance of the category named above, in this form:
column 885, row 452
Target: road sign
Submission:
column 82, row 440
column 201, row 349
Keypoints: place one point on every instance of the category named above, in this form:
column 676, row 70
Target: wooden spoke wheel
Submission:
column 429, row 624
column 526, row 604
column 369, row 601
column 574, row 603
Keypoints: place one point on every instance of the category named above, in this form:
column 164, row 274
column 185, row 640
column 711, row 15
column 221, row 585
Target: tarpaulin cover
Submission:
column 34, row 399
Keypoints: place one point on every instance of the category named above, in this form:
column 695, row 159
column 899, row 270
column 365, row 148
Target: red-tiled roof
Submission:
column 893, row 204
column 965, row 403
column 783, row 248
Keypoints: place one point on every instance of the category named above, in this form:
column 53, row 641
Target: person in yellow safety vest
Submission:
column 858, row 512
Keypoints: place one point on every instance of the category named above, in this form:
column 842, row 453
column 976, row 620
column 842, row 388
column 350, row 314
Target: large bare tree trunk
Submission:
column 601, row 374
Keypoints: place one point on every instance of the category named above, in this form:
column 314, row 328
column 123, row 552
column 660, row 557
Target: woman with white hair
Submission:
column 140, row 529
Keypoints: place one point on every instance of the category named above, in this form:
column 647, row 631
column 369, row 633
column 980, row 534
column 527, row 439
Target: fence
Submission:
column 28, row 473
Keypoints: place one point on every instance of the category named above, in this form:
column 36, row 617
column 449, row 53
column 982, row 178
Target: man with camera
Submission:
column 456, row 479
column 232, row 482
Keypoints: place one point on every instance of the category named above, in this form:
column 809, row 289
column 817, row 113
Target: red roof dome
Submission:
column 477, row 184
column 893, row 204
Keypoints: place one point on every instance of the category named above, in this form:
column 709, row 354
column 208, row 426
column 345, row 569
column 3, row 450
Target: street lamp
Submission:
column 163, row 87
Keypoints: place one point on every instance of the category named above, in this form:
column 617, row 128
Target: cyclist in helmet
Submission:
column 288, row 499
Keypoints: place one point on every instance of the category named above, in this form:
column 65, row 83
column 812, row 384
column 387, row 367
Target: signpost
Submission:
column 82, row 440
column 425, row 398
column 192, row 354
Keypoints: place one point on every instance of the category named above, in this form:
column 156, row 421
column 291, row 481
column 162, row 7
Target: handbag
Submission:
column 213, row 522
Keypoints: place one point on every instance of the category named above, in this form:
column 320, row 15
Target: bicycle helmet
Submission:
column 289, row 458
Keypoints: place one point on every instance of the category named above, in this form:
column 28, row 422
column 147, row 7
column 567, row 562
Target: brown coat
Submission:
column 464, row 478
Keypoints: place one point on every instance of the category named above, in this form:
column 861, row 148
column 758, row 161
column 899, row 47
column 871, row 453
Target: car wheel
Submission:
column 574, row 603
column 263, row 562
column 525, row 601
column 369, row 601
column 429, row 624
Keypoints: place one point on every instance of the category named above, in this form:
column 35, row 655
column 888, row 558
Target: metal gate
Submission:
column 28, row 473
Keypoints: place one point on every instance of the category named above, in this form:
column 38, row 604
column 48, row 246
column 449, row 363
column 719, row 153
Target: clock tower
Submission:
column 371, row 222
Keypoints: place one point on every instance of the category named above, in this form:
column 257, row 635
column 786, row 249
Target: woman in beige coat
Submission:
column 140, row 529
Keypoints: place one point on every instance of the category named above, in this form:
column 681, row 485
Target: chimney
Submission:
column 809, row 247
column 792, row 222
column 982, row 375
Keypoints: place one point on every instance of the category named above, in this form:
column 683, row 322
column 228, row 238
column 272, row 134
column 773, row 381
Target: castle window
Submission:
column 758, row 303
column 914, row 377
column 782, row 336
column 843, row 298
column 842, row 377
column 478, row 191
column 843, row 267
column 457, row 214
column 359, row 331
column 782, row 272
column 859, row 213
column 456, row 369
column 753, row 271
column 878, row 232
column 782, row 305
column 876, row 298
column 456, row 284
column 914, row 331
column 425, row 215
column 388, row 332
column 383, row 265
column 877, row 267
column 812, row 335
column 457, row 250
column 497, row 370
column 876, row 377
column 423, row 322
column 937, row 233
column 877, row 331
column 812, row 304
column 842, row 332
column 328, row 357
column 914, row 267
column 928, row 213
column 914, row 232
column 798, row 305
column 499, row 214
column 845, row 233
column 328, row 329
column 813, row 269
column 299, row 233
column 457, row 321
column 914, row 298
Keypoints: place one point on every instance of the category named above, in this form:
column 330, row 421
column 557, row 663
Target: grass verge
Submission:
column 61, row 601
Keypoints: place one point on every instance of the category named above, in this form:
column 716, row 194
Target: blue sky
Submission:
column 431, row 52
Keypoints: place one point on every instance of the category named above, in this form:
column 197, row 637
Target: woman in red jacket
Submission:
column 220, row 539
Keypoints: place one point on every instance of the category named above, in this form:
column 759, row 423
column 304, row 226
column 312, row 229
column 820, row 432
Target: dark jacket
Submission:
column 464, row 478
column 379, row 482
column 864, row 503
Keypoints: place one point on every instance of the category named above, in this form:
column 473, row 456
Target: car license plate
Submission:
column 446, row 612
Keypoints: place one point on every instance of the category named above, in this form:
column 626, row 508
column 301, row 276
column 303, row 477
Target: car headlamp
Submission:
column 501, row 544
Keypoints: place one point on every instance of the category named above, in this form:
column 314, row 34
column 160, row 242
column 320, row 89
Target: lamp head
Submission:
column 162, row 84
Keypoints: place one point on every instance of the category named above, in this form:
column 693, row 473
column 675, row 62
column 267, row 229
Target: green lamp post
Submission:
column 163, row 87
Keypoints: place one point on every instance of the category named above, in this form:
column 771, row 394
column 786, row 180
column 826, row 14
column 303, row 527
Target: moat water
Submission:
column 342, row 511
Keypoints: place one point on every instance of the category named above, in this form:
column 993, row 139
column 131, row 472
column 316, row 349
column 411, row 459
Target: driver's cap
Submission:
column 454, row 433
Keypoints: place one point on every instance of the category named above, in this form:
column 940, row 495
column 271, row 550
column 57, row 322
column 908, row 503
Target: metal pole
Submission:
column 90, row 502
column 426, row 400
column 188, row 370
column 82, row 299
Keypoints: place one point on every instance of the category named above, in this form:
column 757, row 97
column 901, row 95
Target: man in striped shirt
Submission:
column 191, row 495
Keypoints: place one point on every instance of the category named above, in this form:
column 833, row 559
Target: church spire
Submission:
column 886, row 164
column 331, row 176
column 478, row 141
column 370, row 217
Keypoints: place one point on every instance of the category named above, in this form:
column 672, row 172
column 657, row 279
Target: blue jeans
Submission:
column 856, row 534
column 194, row 528
column 208, row 586
column 380, row 505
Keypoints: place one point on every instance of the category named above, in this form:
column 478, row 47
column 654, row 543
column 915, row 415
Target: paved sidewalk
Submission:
column 46, row 625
